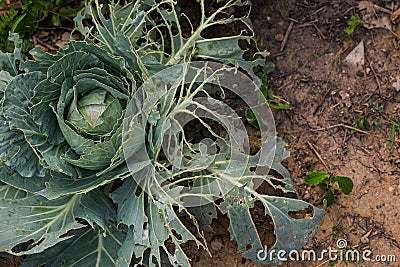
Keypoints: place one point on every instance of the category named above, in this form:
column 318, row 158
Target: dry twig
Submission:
column 341, row 125
column 314, row 149
column 287, row 34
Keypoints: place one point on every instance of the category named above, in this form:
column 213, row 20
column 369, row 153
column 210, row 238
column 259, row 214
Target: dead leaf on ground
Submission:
column 372, row 19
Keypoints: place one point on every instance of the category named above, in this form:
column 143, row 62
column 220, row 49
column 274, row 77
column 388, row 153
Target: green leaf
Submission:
column 204, row 215
column 242, row 227
column 6, row 18
column 32, row 150
column 44, row 222
column 291, row 234
column 251, row 117
column 269, row 67
column 228, row 51
column 277, row 105
column 316, row 178
column 8, row 60
column 131, row 206
column 5, row 79
column 391, row 136
column 29, row 184
column 17, row 120
column 40, row 221
column 330, row 198
column 127, row 250
column 345, row 184
column 271, row 155
column 162, row 220
column 83, row 247
column 10, row 192
column 152, row 223
column 60, row 184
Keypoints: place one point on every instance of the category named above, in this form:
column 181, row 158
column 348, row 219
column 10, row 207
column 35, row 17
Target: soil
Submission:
column 340, row 123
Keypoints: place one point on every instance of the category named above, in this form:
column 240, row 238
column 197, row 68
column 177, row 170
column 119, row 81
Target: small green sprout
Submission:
column 352, row 24
column 269, row 97
column 314, row 55
column 393, row 129
column 327, row 182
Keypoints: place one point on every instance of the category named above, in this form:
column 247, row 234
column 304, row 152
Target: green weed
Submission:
column 327, row 181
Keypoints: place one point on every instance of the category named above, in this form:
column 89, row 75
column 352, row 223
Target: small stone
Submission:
column 364, row 240
column 66, row 36
column 216, row 245
column 279, row 37
column 396, row 84
column 356, row 58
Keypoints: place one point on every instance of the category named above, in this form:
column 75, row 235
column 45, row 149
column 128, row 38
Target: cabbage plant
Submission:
column 96, row 161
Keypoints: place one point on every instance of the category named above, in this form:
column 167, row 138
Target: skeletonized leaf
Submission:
column 290, row 233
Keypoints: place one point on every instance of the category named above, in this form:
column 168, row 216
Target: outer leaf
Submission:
column 84, row 247
column 61, row 185
column 271, row 155
column 5, row 79
column 33, row 150
column 39, row 220
column 291, row 234
column 131, row 206
column 242, row 227
column 18, row 95
column 228, row 51
column 127, row 20
column 204, row 215
column 43, row 221
column 228, row 173
column 10, row 192
column 153, row 223
column 127, row 250
column 43, row 61
column 8, row 60
column 29, row 184
column 162, row 220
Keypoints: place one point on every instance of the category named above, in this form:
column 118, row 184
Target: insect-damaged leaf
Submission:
column 45, row 222
column 83, row 247
column 290, row 233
